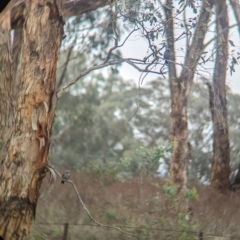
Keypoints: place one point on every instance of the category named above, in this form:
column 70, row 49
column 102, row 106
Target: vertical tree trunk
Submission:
column 235, row 5
column 179, row 128
column 26, row 115
column 180, row 88
column 179, row 136
column 218, row 104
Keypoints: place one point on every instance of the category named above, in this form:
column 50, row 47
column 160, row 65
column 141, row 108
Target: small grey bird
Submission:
column 65, row 176
column 166, row 55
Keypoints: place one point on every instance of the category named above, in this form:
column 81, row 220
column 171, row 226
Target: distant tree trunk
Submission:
column 235, row 4
column 218, row 104
column 179, row 128
column 27, row 113
column 180, row 88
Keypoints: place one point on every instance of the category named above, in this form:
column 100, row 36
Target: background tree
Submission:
column 138, row 116
column 218, row 104
column 181, row 75
column 180, row 84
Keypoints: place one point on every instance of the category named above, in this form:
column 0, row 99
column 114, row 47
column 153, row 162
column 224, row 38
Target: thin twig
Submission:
column 103, row 65
column 86, row 209
column 66, row 63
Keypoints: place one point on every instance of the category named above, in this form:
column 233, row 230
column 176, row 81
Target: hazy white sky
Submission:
column 136, row 47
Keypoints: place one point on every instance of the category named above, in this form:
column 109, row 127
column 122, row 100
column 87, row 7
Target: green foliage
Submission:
column 111, row 214
column 91, row 34
column 143, row 233
column 186, row 230
column 192, row 194
column 93, row 132
column 36, row 235
column 107, row 172
column 170, row 190
column 98, row 121
column 145, row 160
column 180, row 214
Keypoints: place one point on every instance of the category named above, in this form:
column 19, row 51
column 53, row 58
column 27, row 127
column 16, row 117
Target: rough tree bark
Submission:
column 28, row 101
column 180, row 89
column 220, row 170
column 26, row 115
column 28, row 98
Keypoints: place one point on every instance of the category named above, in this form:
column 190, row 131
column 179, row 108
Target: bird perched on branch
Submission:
column 65, row 176
column 166, row 55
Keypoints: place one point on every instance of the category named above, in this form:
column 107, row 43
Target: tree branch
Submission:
column 214, row 38
column 236, row 9
column 65, row 66
column 169, row 29
column 85, row 208
column 196, row 48
column 70, row 8
column 103, row 65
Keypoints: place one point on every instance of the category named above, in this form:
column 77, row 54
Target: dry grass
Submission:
column 131, row 204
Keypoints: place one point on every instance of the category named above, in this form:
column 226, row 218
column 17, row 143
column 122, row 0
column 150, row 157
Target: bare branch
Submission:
column 52, row 180
column 86, row 209
column 118, row 46
column 169, row 29
column 103, row 65
column 106, row 63
column 70, row 8
column 186, row 27
column 66, row 64
column 61, row 132
column 214, row 38
column 236, row 9
column 196, row 48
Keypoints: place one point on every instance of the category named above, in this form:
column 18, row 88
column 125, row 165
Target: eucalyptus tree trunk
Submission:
column 180, row 87
column 27, row 107
column 218, row 104
column 28, row 99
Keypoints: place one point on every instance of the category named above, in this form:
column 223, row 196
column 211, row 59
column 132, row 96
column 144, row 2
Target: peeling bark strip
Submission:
column 220, row 170
column 27, row 115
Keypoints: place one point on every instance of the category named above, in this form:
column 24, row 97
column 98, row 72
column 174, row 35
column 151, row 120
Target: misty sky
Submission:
column 136, row 47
